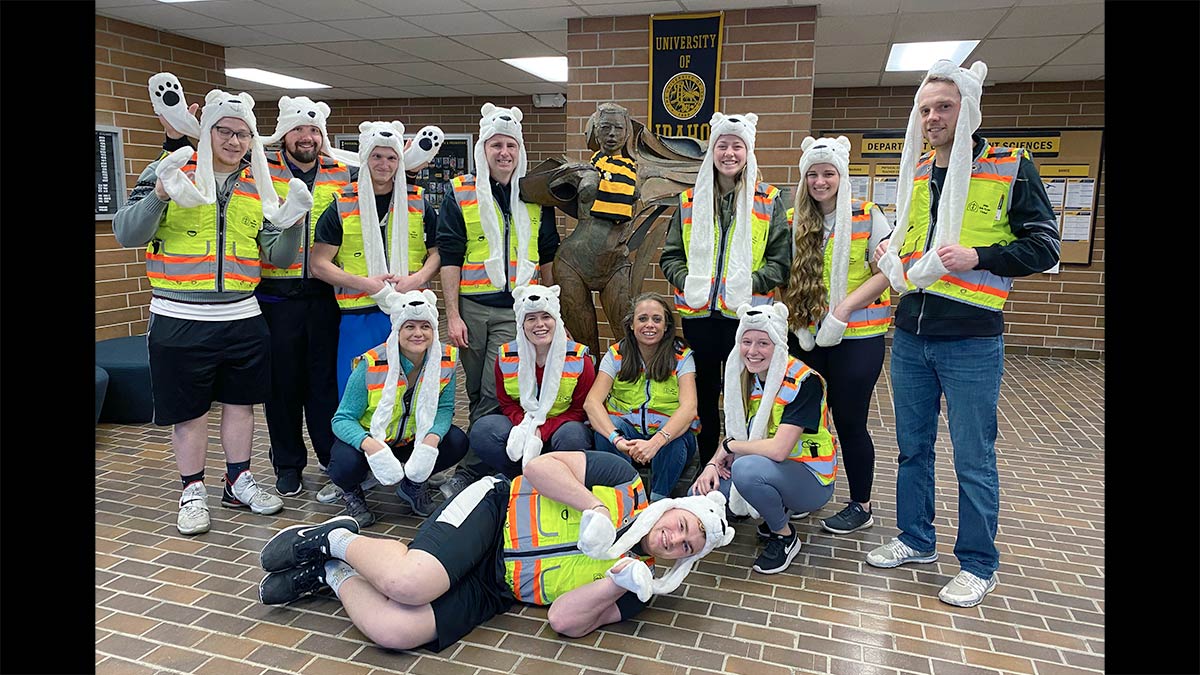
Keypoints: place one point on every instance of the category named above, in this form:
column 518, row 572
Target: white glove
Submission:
column 891, row 266
column 805, row 337
column 831, row 331
column 696, row 290
column 635, row 576
column 299, row 202
column 179, row 187
column 596, row 533
column 425, row 145
column 533, row 448
column 927, row 270
column 738, row 505
column 385, row 466
column 384, row 297
column 420, row 463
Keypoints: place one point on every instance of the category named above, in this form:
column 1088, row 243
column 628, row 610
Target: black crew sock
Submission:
column 234, row 469
column 188, row 480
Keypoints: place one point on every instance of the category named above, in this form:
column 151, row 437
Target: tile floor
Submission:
column 166, row 603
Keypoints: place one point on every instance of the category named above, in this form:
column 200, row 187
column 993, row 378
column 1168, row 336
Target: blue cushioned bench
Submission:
column 128, row 399
column 101, row 390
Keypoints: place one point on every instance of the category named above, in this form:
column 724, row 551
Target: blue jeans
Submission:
column 968, row 372
column 668, row 463
column 489, row 440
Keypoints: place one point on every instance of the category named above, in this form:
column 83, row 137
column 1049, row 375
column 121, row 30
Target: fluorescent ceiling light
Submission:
column 552, row 68
column 909, row 56
column 273, row 79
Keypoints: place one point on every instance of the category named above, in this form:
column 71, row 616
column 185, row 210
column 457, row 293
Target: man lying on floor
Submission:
column 548, row 537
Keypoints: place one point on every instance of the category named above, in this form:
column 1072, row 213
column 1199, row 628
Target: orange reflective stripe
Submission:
column 993, row 176
column 516, row 581
column 247, row 195
column 351, row 296
column 181, row 277
column 980, row 288
column 537, row 581
column 181, row 258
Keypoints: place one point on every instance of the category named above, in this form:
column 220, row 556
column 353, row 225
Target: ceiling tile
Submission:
column 303, row 55
column 242, row 13
column 406, row 8
column 340, row 93
column 430, row 72
column 1056, row 20
column 937, row 26
column 845, row 80
column 542, row 88
column 850, row 59
column 486, row 89
column 376, row 29
column 305, row 31
column 327, row 76
column 105, row 4
column 635, row 8
column 1019, row 51
column 555, row 39
column 376, row 75
column 242, row 57
column 472, row 23
column 713, row 5
column 436, row 48
column 952, row 5
column 546, row 18
column 1010, row 74
column 231, row 36
column 856, row 7
column 508, row 45
column 491, row 70
column 1088, row 51
column 1066, row 73
column 902, row 79
column 855, row 30
column 365, row 51
column 432, row 91
column 325, row 10
column 163, row 16
column 383, row 92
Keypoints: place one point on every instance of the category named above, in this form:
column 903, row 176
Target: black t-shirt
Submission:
column 805, row 410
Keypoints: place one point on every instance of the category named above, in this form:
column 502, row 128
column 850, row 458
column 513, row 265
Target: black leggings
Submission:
column 710, row 338
column 851, row 369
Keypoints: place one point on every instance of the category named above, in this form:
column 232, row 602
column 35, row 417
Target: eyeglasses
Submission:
column 225, row 133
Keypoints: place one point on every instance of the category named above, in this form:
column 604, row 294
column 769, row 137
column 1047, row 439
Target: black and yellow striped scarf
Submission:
column 614, row 198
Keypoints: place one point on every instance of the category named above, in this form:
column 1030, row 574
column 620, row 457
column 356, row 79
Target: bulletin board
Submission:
column 1069, row 161
column 110, row 172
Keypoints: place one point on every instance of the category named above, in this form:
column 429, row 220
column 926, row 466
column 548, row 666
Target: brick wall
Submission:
column 766, row 68
column 1047, row 314
column 127, row 54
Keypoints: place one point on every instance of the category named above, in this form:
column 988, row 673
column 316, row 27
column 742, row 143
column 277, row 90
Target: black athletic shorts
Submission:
column 465, row 534
column 193, row 363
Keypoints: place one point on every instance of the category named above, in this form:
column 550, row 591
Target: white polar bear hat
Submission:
column 835, row 151
column 709, row 508
column 958, row 175
column 697, row 287
column 506, row 121
column 773, row 321
column 383, row 135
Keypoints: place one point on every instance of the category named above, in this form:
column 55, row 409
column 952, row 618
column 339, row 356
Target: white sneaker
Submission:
column 193, row 509
column 896, row 553
column 966, row 589
column 246, row 492
column 331, row 493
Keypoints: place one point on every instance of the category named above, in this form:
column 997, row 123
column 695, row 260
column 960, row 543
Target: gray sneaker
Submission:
column 331, row 493
column 460, row 480
column 896, row 553
column 356, row 507
column 966, row 589
column 245, row 492
column 193, row 509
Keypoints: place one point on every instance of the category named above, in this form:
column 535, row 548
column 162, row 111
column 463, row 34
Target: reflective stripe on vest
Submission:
column 541, row 558
column 351, row 256
column 644, row 403
column 572, row 369
column 875, row 318
column 985, row 222
column 377, row 368
column 183, row 255
column 817, row 451
column 474, row 279
column 760, row 227
column 331, row 177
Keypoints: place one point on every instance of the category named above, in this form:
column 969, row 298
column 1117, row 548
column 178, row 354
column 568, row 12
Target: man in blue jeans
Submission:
column 973, row 217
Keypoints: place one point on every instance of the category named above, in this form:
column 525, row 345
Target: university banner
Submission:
column 685, row 62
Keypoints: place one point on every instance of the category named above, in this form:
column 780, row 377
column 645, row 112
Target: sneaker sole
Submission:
column 955, row 603
column 897, row 563
column 289, row 494
column 329, row 499
column 868, row 523
column 304, row 526
column 786, row 563
column 195, row 530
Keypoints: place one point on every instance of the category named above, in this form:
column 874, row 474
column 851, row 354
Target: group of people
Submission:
column 783, row 312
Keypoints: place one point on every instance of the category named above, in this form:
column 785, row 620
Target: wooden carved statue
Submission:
column 622, row 199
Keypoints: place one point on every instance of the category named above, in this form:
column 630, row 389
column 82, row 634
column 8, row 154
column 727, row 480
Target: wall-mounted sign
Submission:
column 685, row 62
column 110, row 172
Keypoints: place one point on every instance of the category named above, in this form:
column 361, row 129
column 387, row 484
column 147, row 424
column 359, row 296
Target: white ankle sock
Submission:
column 336, row 573
column 339, row 541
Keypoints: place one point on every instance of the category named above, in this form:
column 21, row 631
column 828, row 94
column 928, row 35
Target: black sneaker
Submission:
column 778, row 553
column 455, row 484
column 849, row 519
column 280, row 588
column 416, row 495
column 356, row 507
column 288, row 482
column 302, row 544
column 764, row 532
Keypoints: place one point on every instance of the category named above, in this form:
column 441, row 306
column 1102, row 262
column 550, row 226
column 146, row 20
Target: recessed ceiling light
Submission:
column 910, row 56
column 552, row 68
column 273, row 79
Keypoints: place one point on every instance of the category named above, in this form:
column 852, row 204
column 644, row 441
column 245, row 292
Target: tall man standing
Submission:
column 954, row 266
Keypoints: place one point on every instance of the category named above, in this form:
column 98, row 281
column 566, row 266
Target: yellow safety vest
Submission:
column 645, row 403
column 351, row 256
column 760, row 227
column 199, row 249
column 572, row 369
column 332, row 176
column 816, row 450
column 542, row 560
column 875, row 318
column 984, row 222
column 475, row 280
column 377, row 369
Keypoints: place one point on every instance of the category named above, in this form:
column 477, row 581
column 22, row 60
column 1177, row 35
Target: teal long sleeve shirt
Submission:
column 346, row 425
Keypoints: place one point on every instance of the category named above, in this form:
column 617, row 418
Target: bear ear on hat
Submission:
column 398, row 127
column 213, row 95
column 751, row 118
column 323, row 107
column 430, row 297
column 780, row 310
column 979, row 69
column 716, row 497
column 843, row 142
column 516, row 113
column 285, row 102
column 743, row 309
column 807, row 143
column 520, row 292
column 555, row 290
column 716, row 119
column 246, row 98
column 487, row 108
column 363, row 127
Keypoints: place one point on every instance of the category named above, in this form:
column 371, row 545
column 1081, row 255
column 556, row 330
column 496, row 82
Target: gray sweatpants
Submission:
column 771, row 486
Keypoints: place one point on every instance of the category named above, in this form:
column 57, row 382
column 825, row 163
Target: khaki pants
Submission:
column 487, row 329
